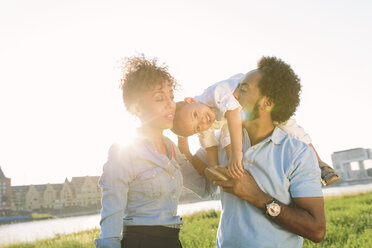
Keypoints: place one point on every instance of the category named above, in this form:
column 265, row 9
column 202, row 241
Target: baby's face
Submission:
column 196, row 117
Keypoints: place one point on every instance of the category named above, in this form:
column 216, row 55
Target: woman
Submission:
column 141, row 183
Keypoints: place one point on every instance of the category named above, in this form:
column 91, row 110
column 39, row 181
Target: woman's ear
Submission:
column 190, row 99
column 134, row 109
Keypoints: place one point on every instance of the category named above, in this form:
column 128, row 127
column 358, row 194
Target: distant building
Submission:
column 86, row 190
column 66, row 196
column 81, row 192
column 5, row 192
column 19, row 198
column 342, row 161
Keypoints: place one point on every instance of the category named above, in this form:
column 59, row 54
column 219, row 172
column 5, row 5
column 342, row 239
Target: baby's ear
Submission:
column 189, row 99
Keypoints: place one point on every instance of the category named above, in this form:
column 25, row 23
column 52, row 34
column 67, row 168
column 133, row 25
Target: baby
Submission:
column 218, row 108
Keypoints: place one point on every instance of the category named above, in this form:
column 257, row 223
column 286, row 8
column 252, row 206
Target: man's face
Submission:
column 249, row 96
column 196, row 117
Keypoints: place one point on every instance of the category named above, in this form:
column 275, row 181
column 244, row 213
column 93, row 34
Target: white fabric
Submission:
column 219, row 97
column 208, row 138
column 293, row 129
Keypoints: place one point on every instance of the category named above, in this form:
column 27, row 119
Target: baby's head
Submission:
column 192, row 117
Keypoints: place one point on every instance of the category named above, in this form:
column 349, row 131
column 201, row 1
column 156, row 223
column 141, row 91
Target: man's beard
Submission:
column 248, row 115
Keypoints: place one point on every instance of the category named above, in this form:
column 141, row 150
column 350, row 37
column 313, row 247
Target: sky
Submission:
column 60, row 105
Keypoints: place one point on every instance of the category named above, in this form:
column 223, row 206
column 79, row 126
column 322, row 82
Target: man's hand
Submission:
column 244, row 187
column 306, row 220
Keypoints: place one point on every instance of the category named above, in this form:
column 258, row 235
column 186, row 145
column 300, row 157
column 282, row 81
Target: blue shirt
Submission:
column 283, row 167
column 142, row 187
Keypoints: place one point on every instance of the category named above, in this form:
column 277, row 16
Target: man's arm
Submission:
column 306, row 219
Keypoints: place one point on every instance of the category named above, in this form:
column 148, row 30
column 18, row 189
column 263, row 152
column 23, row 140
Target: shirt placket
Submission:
column 171, row 168
column 251, row 151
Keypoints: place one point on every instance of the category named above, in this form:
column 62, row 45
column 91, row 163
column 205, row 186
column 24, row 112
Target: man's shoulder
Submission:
column 291, row 145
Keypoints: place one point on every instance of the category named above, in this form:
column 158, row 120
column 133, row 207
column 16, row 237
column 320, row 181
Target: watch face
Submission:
column 273, row 209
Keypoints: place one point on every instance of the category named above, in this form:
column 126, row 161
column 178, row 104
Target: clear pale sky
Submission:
column 60, row 106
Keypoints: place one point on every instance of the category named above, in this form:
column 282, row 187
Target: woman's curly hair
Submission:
column 282, row 85
column 141, row 74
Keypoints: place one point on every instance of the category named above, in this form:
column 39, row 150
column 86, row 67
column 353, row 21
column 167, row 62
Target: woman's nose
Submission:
column 171, row 103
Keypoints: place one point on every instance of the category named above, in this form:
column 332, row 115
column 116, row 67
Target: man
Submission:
column 279, row 198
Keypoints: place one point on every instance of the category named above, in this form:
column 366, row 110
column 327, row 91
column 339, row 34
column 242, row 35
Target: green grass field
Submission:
column 349, row 224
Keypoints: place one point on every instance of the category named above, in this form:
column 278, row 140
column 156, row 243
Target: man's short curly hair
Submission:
column 282, row 85
column 141, row 74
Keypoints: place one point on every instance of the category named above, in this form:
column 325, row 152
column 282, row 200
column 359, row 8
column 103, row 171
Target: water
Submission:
column 30, row 231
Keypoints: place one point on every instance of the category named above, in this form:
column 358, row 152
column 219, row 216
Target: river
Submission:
column 30, row 231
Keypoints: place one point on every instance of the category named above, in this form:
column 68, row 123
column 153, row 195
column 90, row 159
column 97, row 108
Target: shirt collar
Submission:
column 145, row 141
column 278, row 136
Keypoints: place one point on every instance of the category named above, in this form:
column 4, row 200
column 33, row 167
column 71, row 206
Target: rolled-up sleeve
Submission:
column 225, row 100
column 114, row 185
column 305, row 176
column 208, row 138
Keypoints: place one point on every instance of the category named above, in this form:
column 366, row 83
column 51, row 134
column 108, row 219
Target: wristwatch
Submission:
column 273, row 208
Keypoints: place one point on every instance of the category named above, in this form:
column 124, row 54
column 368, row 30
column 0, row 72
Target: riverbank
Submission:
column 36, row 230
column 349, row 224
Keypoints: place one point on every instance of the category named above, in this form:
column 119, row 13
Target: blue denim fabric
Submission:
column 142, row 187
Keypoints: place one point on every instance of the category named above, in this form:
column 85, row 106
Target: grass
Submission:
column 349, row 224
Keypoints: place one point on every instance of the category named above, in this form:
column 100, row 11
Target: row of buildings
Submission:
column 81, row 193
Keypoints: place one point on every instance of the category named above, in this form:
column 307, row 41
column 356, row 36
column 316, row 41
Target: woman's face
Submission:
column 157, row 107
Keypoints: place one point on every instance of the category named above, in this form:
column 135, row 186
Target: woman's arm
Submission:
column 197, row 163
column 114, row 184
column 212, row 155
column 193, row 176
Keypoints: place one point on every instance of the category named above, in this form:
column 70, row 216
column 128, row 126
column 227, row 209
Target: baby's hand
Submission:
column 235, row 165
